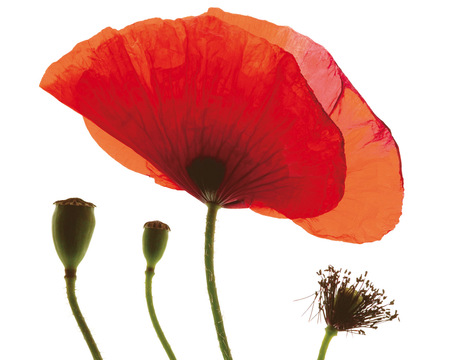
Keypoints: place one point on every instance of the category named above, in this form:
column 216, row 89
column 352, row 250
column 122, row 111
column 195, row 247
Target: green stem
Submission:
column 149, row 273
column 330, row 332
column 211, row 280
column 70, row 284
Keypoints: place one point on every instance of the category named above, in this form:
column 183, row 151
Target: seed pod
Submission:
column 154, row 242
column 73, row 223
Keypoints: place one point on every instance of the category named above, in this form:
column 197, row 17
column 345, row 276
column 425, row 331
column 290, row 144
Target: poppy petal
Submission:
column 173, row 92
column 316, row 64
column 371, row 205
column 127, row 156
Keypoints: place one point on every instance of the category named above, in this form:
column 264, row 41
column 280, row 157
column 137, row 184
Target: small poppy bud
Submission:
column 154, row 242
column 73, row 223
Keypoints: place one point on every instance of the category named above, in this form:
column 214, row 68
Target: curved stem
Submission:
column 149, row 273
column 330, row 332
column 211, row 280
column 70, row 285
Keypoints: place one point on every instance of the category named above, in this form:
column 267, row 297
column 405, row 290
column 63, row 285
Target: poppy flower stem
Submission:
column 149, row 273
column 211, row 280
column 70, row 285
column 330, row 332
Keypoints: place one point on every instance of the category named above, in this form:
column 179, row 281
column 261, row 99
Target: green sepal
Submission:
column 73, row 224
column 154, row 242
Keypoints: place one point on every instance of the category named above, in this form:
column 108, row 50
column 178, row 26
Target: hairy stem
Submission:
column 149, row 273
column 211, row 280
column 70, row 285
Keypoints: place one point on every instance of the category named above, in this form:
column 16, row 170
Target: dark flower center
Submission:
column 207, row 173
column 346, row 304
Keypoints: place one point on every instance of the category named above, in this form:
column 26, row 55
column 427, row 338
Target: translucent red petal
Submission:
column 371, row 205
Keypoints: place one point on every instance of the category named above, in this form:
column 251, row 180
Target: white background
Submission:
column 396, row 53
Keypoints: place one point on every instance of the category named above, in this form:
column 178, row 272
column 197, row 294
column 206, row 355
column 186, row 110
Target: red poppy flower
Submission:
column 211, row 107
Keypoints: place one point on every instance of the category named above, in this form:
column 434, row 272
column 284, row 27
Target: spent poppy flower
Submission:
column 349, row 306
column 371, row 205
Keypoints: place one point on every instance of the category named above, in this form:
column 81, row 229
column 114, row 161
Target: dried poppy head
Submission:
column 348, row 306
column 217, row 105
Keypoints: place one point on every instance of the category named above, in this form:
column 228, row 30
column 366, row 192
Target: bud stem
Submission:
column 70, row 285
column 211, row 280
column 330, row 332
column 149, row 273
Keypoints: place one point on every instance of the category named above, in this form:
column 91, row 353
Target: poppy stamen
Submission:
column 351, row 307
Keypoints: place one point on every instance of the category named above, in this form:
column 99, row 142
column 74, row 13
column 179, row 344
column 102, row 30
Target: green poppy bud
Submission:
column 154, row 242
column 72, row 227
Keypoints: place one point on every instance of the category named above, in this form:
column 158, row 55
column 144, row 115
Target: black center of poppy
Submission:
column 207, row 173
